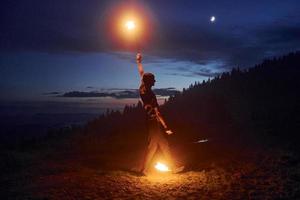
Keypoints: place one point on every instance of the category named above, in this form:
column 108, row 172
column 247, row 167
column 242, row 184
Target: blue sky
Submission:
column 61, row 46
column 29, row 75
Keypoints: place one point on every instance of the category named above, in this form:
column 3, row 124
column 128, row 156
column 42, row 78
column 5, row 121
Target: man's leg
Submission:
column 151, row 149
column 165, row 149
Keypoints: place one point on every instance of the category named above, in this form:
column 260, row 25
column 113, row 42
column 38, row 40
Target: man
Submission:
column 156, row 138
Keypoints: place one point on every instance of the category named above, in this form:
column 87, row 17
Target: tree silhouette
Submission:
column 259, row 103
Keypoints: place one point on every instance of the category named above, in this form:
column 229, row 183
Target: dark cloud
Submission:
column 194, row 43
column 244, row 50
column 195, row 74
column 166, row 91
column 240, row 46
column 180, row 74
column 180, row 33
column 51, row 26
column 85, row 94
column 207, row 69
column 264, row 42
column 51, row 93
column 280, row 35
column 204, row 74
column 132, row 93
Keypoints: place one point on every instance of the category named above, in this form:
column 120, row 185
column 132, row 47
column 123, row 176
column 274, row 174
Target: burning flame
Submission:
column 130, row 25
column 162, row 167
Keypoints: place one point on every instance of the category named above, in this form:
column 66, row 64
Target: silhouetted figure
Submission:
column 156, row 137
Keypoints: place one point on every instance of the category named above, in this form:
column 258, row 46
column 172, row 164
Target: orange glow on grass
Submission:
column 162, row 167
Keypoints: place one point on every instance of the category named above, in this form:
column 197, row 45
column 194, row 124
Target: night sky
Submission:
column 53, row 47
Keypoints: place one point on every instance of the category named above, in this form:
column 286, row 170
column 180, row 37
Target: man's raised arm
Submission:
column 139, row 64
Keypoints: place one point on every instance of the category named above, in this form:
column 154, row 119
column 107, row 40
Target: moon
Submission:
column 212, row 19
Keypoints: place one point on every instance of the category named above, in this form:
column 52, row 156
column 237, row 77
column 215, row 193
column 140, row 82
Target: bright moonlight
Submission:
column 213, row 19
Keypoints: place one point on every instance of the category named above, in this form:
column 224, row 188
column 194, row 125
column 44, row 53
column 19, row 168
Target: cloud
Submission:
column 51, row 93
column 207, row 69
column 194, row 43
column 240, row 47
column 279, row 38
column 51, row 26
column 166, row 91
column 268, row 41
column 81, row 27
column 195, row 74
column 120, row 94
column 85, row 94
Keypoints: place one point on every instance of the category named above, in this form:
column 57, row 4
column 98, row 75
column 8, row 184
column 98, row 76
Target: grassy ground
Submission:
column 57, row 174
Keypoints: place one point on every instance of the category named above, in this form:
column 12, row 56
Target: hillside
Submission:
column 258, row 104
column 261, row 102
column 248, row 116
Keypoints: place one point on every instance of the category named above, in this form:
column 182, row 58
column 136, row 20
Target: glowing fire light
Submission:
column 162, row 167
column 130, row 25
column 201, row 141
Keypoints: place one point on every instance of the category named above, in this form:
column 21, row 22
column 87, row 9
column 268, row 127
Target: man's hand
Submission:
column 139, row 58
column 139, row 64
column 169, row 132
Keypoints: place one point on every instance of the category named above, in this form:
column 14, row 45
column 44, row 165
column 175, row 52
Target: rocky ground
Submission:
column 259, row 175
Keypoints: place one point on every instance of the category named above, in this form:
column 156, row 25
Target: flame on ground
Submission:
column 162, row 167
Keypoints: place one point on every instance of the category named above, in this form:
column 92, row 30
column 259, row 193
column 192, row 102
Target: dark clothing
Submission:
column 156, row 138
column 149, row 102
